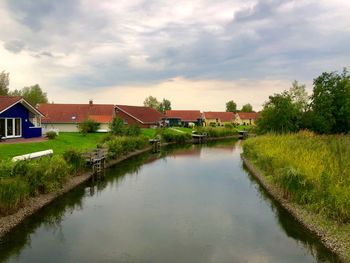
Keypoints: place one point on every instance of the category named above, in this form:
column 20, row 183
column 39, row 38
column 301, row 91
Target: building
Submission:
column 66, row 117
column 246, row 118
column 145, row 117
column 19, row 119
column 183, row 117
column 218, row 118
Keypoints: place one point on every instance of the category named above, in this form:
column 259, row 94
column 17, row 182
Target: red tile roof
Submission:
column 248, row 115
column 7, row 101
column 141, row 113
column 222, row 116
column 76, row 113
column 184, row 115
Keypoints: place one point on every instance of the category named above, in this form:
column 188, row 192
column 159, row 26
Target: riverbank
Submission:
column 34, row 204
column 307, row 175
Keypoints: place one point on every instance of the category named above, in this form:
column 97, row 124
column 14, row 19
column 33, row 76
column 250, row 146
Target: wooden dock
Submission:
column 96, row 158
column 156, row 144
column 199, row 138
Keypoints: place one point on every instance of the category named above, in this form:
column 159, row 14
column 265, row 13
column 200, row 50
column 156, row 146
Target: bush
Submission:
column 13, row 191
column 75, row 159
column 172, row 136
column 133, row 130
column 6, row 169
column 117, row 126
column 228, row 126
column 88, row 126
column 216, row 132
column 123, row 145
column 51, row 135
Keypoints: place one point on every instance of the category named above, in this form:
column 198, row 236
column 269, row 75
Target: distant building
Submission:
column 218, row 118
column 246, row 118
column 183, row 117
column 145, row 117
column 66, row 117
column 18, row 118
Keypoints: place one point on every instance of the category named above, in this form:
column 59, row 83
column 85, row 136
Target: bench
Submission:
column 31, row 156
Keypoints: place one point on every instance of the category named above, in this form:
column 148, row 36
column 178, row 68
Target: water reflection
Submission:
column 185, row 204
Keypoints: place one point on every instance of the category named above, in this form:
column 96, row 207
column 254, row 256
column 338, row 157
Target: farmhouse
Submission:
column 66, row 117
column 183, row 117
column 144, row 117
column 246, row 118
column 218, row 118
column 18, row 118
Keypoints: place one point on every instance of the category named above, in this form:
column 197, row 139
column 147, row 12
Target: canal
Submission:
column 187, row 204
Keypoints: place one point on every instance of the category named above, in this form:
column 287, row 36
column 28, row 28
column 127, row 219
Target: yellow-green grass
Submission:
column 149, row 132
column 313, row 170
column 61, row 143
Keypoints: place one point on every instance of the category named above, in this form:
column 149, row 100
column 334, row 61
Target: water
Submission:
column 190, row 204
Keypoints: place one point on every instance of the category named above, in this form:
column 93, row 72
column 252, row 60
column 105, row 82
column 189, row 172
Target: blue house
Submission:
column 19, row 119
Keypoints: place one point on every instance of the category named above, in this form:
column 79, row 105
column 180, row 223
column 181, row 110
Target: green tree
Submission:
column 247, row 108
column 4, row 83
column 330, row 103
column 299, row 95
column 32, row 94
column 231, row 106
column 152, row 102
column 164, row 106
column 279, row 115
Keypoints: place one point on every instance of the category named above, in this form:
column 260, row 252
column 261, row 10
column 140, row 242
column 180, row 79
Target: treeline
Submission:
column 326, row 111
column 33, row 94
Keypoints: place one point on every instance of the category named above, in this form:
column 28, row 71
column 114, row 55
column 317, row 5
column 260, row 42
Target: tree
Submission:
column 4, row 83
column 32, row 94
column 247, row 108
column 164, row 106
column 330, row 103
column 231, row 106
column 299, row 95
column 117, row 126
column 279, row 115
column 152, row 102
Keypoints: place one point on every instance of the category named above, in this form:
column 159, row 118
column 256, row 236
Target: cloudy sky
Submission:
column 199, row 54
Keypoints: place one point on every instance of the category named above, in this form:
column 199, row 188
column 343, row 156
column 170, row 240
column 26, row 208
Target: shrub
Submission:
column 6, row 167
column 123, row 145
column 51, row 135
column 172, row 136
column 75, row 159
column 13, row 191
column 107, row 137
column 228, row 126
column 216, row 132
column 117, row 126
column 88, row 126
column 133, row 130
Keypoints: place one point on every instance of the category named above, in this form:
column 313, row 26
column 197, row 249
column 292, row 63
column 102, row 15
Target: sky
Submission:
column 198, row 54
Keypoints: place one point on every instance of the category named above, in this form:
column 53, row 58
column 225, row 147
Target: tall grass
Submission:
column 312, row 170
column 214, row 132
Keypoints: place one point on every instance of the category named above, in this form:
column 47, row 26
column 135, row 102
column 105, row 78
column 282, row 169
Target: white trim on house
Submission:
column 6, row 136
column 25, row 104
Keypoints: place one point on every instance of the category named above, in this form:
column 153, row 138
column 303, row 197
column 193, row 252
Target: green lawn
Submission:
column 148, row 132
column 62, row 142
column 187, row 130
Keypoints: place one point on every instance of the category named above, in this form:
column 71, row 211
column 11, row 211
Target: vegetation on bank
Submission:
column 312, row 170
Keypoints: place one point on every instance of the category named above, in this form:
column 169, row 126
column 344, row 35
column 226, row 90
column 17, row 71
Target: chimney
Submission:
column 91, row 102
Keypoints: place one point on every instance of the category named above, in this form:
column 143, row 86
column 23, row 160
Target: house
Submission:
column 246, row 118
column 18, row 118
column 183, row 117
column 218, row 118
column 66, row 117
column 145, row 117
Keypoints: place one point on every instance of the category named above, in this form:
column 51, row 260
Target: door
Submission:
column 11, row 128
column 2, row 128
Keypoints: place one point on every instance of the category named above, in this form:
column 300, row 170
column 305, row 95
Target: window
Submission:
column 125, row 121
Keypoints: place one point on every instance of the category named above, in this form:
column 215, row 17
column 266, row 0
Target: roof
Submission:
column 221, row 115
column 9, row 101
column 248, row 115
column 184, row 115
column 76, row 113
column 141, row 113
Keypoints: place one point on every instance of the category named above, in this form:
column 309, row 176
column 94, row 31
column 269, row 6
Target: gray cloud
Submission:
column 14, row 46
column 102, row 43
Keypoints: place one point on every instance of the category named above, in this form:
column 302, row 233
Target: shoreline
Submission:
column 305, row 218
column 34, row 204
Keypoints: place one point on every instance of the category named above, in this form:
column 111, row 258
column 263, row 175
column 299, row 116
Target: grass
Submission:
column 184, row 129
column 312, row 170
column 62, row 142
column 148, row 132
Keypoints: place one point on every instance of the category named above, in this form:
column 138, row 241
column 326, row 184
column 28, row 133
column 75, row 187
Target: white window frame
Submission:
column 14, row 128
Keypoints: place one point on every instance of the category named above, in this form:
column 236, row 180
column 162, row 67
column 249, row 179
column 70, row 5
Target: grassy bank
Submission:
column 312, row 172
column 62, row 142
column 24, row 179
